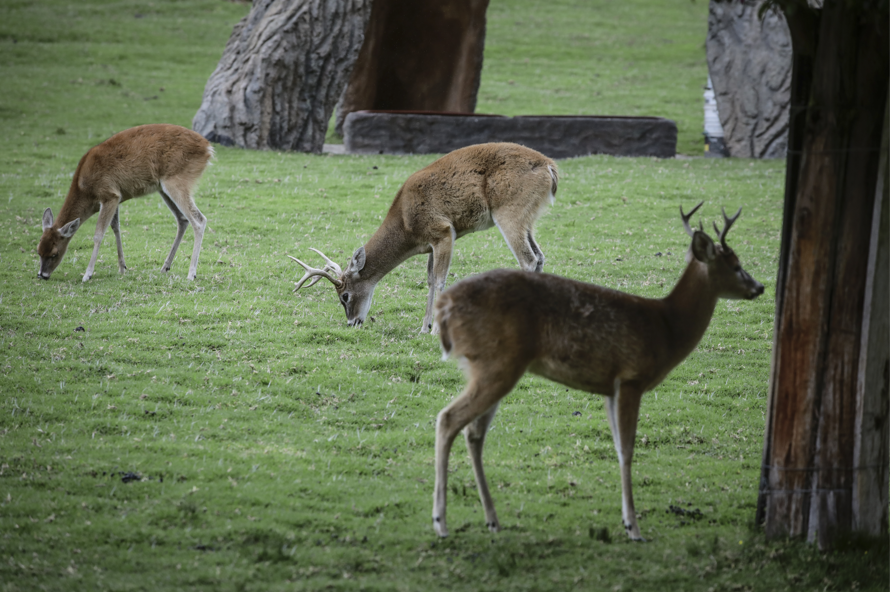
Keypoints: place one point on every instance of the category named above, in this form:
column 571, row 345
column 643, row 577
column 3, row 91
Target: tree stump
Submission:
column 749, row 61
column 281, row 74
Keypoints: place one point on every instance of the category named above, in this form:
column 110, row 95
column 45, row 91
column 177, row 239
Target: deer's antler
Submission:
column 329, row 265
column 686, row 218
column 727, row 224
column 317, row 274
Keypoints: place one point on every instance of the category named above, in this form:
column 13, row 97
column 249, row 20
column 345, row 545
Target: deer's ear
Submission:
column 69, row 229
column 47, row 218
column 703, row 247
column 357, row 263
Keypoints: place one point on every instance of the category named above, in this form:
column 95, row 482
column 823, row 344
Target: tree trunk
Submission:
column 749, row 61
column 418, row 56
column 281, row 74
column 812, row 456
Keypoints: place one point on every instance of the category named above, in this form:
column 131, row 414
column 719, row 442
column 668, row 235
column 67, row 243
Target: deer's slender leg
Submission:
column 537, row 251
column 514, row 225
column 181, row 224
column 475, row 435
column 623, row 409
column 116, row 228
column 437, row 270
column 179, row 192
column 107, row 212
column 483, row 391
column 431, row 297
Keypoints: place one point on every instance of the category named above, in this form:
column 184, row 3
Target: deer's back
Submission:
column 135, row 160
column 464, row 187
column 578, row 334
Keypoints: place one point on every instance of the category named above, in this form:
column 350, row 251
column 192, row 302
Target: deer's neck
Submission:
column 387, row 248
column 690, row 306
column 76, row 205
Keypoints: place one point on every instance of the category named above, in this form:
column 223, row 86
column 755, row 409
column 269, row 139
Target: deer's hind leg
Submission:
column 515, row 224
column 177, row 194
column 537, row 251
column 475, row 436
column 488, row 383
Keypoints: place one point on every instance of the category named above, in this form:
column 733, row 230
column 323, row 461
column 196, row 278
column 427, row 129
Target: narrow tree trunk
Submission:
column 809, row 463
column 870, row 484
column 418, row 55
column 281, row 74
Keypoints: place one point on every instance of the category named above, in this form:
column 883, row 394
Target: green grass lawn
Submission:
column 279, row 450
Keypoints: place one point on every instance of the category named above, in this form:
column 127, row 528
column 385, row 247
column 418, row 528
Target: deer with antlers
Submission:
column 468, row 190
column 503, row 323
column 159, row 157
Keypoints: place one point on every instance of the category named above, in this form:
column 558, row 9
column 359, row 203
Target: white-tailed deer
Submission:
column 165, row 158
column 503, row 323
column 470, row 189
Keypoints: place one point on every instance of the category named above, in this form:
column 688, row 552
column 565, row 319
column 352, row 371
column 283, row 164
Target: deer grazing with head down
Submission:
column 468, row 190
column 503, row 323
column 165, row 158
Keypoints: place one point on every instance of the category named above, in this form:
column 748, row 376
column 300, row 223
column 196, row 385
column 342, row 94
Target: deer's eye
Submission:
column 737, row 268
column 344, row 297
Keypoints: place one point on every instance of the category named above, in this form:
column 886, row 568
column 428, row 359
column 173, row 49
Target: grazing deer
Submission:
column 468, row 190
column 135, row 162
column 503, row 323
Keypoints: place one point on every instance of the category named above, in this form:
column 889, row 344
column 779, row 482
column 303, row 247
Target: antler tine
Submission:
column 727, row 224
column 331, row 264
column 311, row 272
column 686, row 218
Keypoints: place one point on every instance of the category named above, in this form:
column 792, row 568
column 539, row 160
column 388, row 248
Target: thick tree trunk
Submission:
column 749, row 61
column 811, row 464
column 418, row 55
column 281, row 74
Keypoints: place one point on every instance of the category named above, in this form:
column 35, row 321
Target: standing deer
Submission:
column 165, row 158
column 503, row 323
column 468, row 190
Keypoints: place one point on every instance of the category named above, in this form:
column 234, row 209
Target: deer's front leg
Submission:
column 437, row 275
column 107, row 211
column 623, row 409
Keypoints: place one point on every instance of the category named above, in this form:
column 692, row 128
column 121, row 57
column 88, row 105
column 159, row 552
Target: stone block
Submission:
column 557, row 136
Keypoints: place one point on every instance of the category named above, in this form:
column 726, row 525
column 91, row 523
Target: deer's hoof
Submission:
column 439, row 527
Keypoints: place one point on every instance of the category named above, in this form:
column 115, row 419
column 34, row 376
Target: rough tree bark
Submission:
column 825, row 453
column 749, row 61
column 418, row 56
column 281, row 74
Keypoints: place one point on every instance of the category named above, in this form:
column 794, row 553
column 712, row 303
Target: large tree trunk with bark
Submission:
column 825, row 456
column 418, row 56
column 281, row 74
